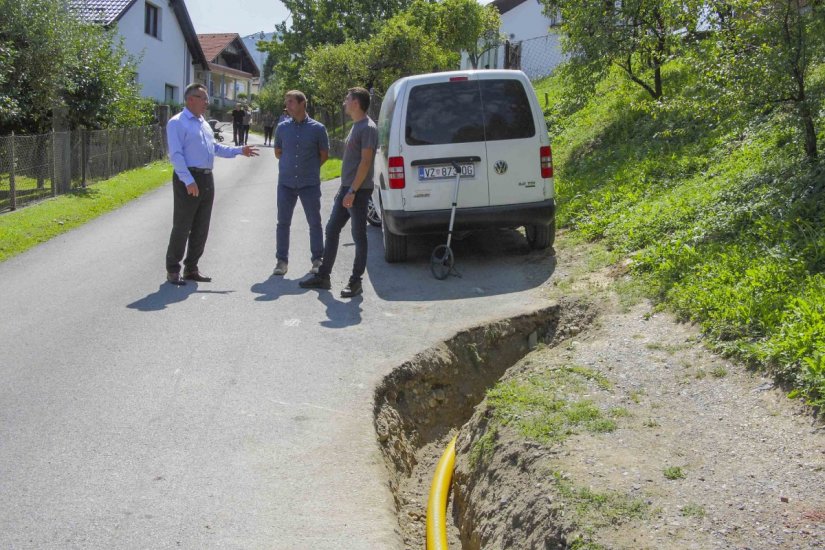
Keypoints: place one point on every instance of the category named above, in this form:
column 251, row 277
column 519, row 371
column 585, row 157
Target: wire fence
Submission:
column 47, row 165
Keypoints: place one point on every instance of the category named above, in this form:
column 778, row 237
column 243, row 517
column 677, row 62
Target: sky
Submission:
column 243, row 16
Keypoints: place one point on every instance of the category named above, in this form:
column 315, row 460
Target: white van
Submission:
column 490, row 122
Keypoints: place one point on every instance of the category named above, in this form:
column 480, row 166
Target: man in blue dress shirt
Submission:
column 301, row 147
column 192, row 151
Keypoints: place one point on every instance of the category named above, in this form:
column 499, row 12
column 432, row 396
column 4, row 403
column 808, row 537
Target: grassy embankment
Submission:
column 721, row 215
column 29, row 226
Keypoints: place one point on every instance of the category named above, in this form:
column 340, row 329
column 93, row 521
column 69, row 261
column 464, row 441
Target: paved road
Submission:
column 236, row 414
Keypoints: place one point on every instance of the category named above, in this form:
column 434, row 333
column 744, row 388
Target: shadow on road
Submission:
column 170, row 294
column 275, row 287
column 340, row 313
column 489, row 263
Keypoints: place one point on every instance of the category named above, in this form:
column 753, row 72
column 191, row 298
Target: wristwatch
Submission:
column 351, row 191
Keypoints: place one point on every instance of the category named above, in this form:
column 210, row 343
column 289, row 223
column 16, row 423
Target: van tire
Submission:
column 540, row 236
column 395, row 246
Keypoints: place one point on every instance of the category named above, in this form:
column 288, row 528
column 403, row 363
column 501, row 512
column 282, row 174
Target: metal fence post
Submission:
column 506, row 54
column 83, row 158
column 12, row 185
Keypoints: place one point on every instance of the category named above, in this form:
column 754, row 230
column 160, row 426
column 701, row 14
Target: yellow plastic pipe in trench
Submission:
column 437, row 502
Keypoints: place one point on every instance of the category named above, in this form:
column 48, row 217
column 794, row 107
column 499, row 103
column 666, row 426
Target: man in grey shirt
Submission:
column 353, row 196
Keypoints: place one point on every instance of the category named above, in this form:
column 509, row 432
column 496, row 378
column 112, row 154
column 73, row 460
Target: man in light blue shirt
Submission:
column 192, row 151
column 301, row 147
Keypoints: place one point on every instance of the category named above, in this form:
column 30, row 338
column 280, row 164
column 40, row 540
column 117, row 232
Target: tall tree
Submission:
column 636, row 35
column 767, row 52
column 319, row 22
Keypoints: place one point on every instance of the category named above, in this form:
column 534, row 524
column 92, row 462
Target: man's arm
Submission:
column 175, row 134
column 323, row 155
column 360, row 175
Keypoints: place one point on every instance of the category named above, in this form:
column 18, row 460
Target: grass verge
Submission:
column 22, row 229
column 331, row 169
column 715, row 211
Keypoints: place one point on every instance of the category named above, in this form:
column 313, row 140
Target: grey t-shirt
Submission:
column 362, row 135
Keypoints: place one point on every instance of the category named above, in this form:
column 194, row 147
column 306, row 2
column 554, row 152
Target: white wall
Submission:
column 540, row 47
column 166, row 59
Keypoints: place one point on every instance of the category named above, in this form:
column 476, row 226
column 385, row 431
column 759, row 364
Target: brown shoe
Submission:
column 197, row 276
column 175, row 279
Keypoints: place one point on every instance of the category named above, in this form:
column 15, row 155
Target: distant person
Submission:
column 284, row 117
column 268, row 122
column 237, row 124
column 247, row 123
column 192, row 151
column 301, row 147
column 353, row 197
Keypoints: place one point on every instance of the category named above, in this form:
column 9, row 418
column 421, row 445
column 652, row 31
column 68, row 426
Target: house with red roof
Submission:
column 230, row 71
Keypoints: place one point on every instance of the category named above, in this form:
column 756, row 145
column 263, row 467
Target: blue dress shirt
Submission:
column 192, row 144
column 301, row 144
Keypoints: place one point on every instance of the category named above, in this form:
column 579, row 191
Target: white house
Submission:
column 159, row 33
column 534, row 39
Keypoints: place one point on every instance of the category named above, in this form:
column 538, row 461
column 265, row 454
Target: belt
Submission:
column 193, row 170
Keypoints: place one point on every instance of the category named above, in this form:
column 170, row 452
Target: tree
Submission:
column 765, row 56
column 469, row 26
column 320, row 22
column 50, row 59
column 636, row 35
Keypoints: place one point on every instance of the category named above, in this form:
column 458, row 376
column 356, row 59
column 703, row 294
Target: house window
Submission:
column 151, row 21
column 171, row 94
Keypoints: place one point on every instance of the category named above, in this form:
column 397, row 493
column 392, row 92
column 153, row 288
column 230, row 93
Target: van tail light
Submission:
column 396, row 173
column 546, row 160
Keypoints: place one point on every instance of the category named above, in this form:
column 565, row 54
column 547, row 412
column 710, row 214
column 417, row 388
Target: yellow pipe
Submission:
column 437, row 502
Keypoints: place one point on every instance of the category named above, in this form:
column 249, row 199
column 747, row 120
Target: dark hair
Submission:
column 192, row 88
column 362, row 95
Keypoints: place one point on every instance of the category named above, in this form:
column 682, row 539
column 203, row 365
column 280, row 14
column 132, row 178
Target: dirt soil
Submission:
column 705, row 454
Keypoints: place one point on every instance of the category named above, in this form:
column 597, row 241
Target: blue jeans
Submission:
column 337, row 220
column 311, row 202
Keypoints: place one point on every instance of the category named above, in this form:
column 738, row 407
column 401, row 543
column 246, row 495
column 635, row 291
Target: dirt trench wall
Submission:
column 438, row 389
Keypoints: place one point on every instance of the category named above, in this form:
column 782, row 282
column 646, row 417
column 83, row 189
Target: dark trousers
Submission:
column 267, row 134
column 237, row 133
column 311, row 202
column 337, row 220
column 245, row 133
column 190, row 223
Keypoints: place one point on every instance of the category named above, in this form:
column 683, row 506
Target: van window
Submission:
column 447, row 112
column 468, row 111
column 507, row 112
column 385, row 117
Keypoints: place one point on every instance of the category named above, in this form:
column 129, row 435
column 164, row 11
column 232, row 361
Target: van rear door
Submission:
column 442, row 121
column 513, row 163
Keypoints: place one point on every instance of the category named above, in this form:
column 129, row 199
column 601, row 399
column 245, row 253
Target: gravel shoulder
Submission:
column 702, row 452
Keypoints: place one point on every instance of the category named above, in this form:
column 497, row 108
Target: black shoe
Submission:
column 316, row 281
column 197, row 276
column 175, row 279
column 353, row 288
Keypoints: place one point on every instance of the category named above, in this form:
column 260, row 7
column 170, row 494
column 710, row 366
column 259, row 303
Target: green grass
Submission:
column 549, row 407
column 22, row 229
column 331, row 169
column 718, row 210
column 673, row 473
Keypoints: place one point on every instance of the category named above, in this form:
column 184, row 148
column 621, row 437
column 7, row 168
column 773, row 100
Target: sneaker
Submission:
column 353, row 288
column 316, row 265
column 316, row 281
column 280, row 268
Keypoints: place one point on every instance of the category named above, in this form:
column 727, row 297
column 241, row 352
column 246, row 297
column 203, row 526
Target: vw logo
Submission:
column 500, row 167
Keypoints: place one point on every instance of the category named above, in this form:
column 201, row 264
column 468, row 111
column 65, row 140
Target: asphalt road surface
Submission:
column 231, row 414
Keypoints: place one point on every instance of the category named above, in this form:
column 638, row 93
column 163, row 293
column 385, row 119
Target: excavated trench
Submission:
column 423, row 400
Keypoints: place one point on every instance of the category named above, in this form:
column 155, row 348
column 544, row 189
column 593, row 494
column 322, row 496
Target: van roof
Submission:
column 471, row 73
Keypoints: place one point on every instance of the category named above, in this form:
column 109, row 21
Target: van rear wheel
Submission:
column 540, row 235
column 395, row 246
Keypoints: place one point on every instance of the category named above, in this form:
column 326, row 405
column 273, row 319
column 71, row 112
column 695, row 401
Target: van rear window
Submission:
column 447, row 112
column 467, row 111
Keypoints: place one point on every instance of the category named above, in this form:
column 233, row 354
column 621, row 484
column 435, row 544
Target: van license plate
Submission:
column 441, row 172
